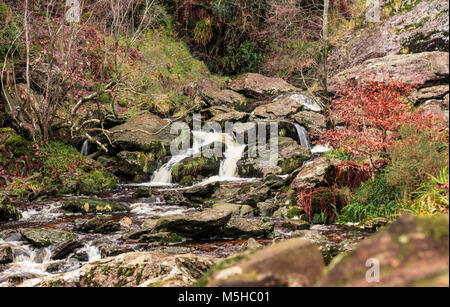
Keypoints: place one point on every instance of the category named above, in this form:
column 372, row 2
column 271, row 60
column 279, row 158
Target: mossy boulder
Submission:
column 136, row 166
column 205, row 223
column 93, row 206
column 100, row 224
column 295, row 262
column 196, row 166
column 236, row 209
column 239, row 227
column 408, row 244
column 146, row 132
column 46, row 237
column 199, row 193
column 7, row 210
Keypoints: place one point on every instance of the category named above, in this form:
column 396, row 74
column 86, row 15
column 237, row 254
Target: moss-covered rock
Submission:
column 196, row 166
column 239, row 227
column 409, row 243
column 7, row 210
column 46, row 237
column 205, row 223
column 100, row 224
column 295, row 262
column 93, row 206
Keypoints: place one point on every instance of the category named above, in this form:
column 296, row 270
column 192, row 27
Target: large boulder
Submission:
column 256, row 85
column 208, row 92
column 314, row 173
column 82, row 205
column 426, row 66
column 286, row 105
column 291, row 156
column 143, row 269
column 406, row 27
column 46, row 237
column 146, row 132
column 134, row 166
column 314, row 122
column 413, row 251
column 100, row 224
column 236, row 209
column 196, row 167
column 239, row 227
column 295, row 262
column 206, row 223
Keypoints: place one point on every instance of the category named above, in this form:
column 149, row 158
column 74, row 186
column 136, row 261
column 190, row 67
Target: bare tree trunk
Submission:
column 326, row 7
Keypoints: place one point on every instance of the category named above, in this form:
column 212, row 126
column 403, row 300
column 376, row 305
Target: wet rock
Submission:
column 239, row 227
column 254, row 195
column 82, row 205
column 81, row 256
column 267, row 208
column 163, row 238
column 274, row 182
column 142, row 192
column 146, row 132
column 314, row 173
column 313, row 122
column 7, row 210
column 294, row 262
column 236, row 209
column 195, row 167
column 413, row 251
column 46, row 237
column 145, row 269
column 256, row 85
column 135, row 166
column 6, row 255
column 427, row 66
column 100, row 224
column 250, row 245
column 112, row 251
column 175, row 198
column 295, row 224
column 201, row 192
column 63, row 249
column 205, row 223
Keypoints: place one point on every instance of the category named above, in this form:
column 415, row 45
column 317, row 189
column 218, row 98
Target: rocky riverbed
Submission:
column 63, row 234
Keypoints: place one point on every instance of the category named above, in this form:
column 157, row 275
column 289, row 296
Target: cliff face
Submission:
column 410, row 43
column 406, row 27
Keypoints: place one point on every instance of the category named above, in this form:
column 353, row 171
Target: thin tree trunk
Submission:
column 326, row 7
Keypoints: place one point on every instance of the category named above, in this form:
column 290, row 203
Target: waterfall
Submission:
column 303, row 136
column 85, row 148
column 228, row 167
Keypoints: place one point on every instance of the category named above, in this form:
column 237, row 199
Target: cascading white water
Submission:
column 85, row 148
column 228, row 167
column 303, row 136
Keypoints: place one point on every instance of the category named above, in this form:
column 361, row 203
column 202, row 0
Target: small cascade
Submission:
column 93, row 252
column 303, row 136
column 85, row 148
column 228, row 167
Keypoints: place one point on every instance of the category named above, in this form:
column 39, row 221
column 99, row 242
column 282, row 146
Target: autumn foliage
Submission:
column 369, row 118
